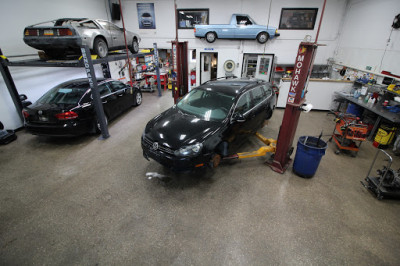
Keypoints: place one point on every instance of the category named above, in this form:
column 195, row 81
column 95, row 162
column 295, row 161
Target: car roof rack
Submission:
column 226, row 77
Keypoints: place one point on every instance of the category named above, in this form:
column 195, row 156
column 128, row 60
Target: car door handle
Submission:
column 105, row 101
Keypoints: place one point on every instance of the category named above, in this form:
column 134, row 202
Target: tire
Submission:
column 134, row 48
column 137, row 98
column 97, row 124
column 100, row 47
column 211, row 37
column 262, row 37
column 269, row 114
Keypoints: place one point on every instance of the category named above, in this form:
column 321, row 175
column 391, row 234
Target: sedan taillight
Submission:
column 25, row 114
column 66, row 115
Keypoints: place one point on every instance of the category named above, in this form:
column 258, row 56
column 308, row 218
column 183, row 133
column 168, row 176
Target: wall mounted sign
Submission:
column 298, row 18
column 146, row 15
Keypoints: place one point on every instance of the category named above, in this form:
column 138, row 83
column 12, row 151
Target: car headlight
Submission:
column 189, row 150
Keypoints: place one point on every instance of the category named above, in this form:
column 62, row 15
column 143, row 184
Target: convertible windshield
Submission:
column 206, row 104
column 64, row 95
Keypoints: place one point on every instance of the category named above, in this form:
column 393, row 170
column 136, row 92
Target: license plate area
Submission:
column 48, row 33
column 43, row 118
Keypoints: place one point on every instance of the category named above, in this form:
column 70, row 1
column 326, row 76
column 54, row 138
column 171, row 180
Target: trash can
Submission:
column 308, row 155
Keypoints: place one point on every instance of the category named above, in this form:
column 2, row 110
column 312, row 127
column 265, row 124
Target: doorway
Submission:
column 257, row 66
column 208, row 66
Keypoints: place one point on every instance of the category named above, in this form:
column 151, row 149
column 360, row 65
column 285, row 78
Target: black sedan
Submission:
column 208, row 123
column 67, row 109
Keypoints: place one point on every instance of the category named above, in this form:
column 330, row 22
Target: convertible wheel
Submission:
column 211, row 37
column 137, row 98
column 100, row 47
column 135, row 46
column 262, row 37
column 98, row 128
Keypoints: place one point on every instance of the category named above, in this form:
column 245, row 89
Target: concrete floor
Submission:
column 88, row 202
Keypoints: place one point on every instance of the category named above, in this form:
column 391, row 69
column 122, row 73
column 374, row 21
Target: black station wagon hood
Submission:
column 175, row 129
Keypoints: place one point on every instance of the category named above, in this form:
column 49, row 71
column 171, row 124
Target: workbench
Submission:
column 375, row 108
column 163, row 78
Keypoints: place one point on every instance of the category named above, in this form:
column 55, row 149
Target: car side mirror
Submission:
column 23, row 97
column 238, row 117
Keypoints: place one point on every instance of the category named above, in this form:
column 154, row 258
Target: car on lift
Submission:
column 66, row 35
column 209, row 123
column 68, row 110
column 241, row 26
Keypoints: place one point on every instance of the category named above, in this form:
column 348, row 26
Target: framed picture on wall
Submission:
column 187, row 18
column 146, row 15
column 298, row 18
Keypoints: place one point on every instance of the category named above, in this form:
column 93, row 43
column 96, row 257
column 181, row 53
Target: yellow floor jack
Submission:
column 270, row 147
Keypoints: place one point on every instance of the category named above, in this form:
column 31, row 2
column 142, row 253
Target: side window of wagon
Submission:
column 258, row 95
column 244, row 104
column 267, row 89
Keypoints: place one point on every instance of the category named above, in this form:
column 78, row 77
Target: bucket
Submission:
column 308, row 155
column 354, row 109
column 384, row 136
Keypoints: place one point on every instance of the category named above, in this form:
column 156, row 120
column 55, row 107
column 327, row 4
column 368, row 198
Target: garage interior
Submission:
column 83, row 200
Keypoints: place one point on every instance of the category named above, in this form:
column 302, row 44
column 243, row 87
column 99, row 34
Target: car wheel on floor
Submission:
column 100, row 47
column 137, row 98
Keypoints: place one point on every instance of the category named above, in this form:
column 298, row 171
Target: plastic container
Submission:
column 308, row 156
column 384, row 136
column 354, row 109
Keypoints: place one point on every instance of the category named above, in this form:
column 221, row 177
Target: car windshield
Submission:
column 70, row 94
column 206, row 104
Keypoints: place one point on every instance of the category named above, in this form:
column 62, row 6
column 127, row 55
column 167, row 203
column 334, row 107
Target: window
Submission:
column 188, row 18
column 116, row 86
column 298, row 18
column 267, row 89
column 244, row 104
column 258, row 95
column 104, row 90
column 243, row 20
column 108, row 25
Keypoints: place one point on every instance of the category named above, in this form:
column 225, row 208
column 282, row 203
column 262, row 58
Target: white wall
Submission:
column 34, row 81
column 365, row 33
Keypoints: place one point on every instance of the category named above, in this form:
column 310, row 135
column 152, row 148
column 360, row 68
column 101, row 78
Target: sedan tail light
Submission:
column 64, row 32
column 25, row 113
column 31, row 33
column 66, row 115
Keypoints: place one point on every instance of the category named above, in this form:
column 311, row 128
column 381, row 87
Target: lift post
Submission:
column 296, row 98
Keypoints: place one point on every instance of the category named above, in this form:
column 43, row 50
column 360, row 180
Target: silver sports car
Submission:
column 65, row 35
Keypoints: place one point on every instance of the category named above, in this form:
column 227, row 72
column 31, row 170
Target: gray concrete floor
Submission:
column 88, row 202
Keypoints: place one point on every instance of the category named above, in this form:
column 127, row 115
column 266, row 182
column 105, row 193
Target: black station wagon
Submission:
column 209, row 123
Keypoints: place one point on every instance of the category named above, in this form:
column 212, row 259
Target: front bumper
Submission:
column 168, row 159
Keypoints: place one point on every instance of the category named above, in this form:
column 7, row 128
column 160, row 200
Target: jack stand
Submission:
column 271, row 147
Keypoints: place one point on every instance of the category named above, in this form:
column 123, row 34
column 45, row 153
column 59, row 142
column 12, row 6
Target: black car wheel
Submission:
column 100, row 47
column 135, row 46
column 98, row 127
column 262, row 37
column 269, row 114
column 211, row 37
column 137, row 98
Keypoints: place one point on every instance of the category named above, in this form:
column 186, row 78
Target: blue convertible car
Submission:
column 241, row 27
